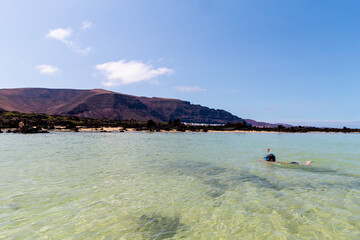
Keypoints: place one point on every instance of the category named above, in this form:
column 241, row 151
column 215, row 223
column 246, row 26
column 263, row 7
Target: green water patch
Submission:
column 240, row 177
column 220, row 179
column 348, row 186
column 178, row 186
column 218, row 187
column 157, row 227
column 314, row 169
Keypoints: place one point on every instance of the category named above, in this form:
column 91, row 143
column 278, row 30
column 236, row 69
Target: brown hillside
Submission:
column 100, row 103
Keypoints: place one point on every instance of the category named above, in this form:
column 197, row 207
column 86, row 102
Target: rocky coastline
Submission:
column 42, row 123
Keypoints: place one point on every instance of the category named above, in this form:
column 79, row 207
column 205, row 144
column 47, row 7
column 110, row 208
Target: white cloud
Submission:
column 47, row 69
column 189, row 89
column 66, row 36
column 60, row 34
column 86, row 25
column 123, row 72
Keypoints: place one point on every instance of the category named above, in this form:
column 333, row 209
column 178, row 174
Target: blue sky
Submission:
column 278, row 61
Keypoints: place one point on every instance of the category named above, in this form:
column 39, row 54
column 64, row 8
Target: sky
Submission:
column 294, row 62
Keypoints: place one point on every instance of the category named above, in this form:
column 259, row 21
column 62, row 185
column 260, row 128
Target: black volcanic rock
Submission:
column 100, row 103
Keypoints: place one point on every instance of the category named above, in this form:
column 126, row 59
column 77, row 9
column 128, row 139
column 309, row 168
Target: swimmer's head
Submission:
column 270, row 158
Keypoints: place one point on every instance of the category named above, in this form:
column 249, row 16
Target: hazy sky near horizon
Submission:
column 278, row 61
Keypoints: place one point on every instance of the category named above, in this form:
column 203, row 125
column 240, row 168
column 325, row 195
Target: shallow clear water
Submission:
column 179, row 185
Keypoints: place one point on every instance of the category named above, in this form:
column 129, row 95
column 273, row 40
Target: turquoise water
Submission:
column 179, row 185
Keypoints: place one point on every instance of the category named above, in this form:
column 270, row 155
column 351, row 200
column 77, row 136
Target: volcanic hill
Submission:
column 98, row 103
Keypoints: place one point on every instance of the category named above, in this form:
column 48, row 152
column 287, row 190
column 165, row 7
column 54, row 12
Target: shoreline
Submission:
column 81, row 129
column 41, row 123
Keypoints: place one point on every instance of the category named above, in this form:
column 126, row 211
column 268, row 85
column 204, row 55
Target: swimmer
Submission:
column 271, row 158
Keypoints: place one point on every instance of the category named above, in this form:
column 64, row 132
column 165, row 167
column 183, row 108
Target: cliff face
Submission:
column 100, row 103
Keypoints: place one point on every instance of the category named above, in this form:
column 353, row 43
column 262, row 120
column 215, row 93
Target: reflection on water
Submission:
column 172, row 186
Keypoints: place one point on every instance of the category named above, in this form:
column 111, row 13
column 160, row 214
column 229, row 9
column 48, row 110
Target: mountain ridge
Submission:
column 100, row 103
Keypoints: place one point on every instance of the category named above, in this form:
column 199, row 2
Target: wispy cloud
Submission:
column 86, row 25
column 47, row 69
column 82, row 51
column 189, row 89
column 66, row 36
column 123, row 72
column 61, row 34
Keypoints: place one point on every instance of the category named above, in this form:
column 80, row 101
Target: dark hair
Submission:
column 270, row 158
